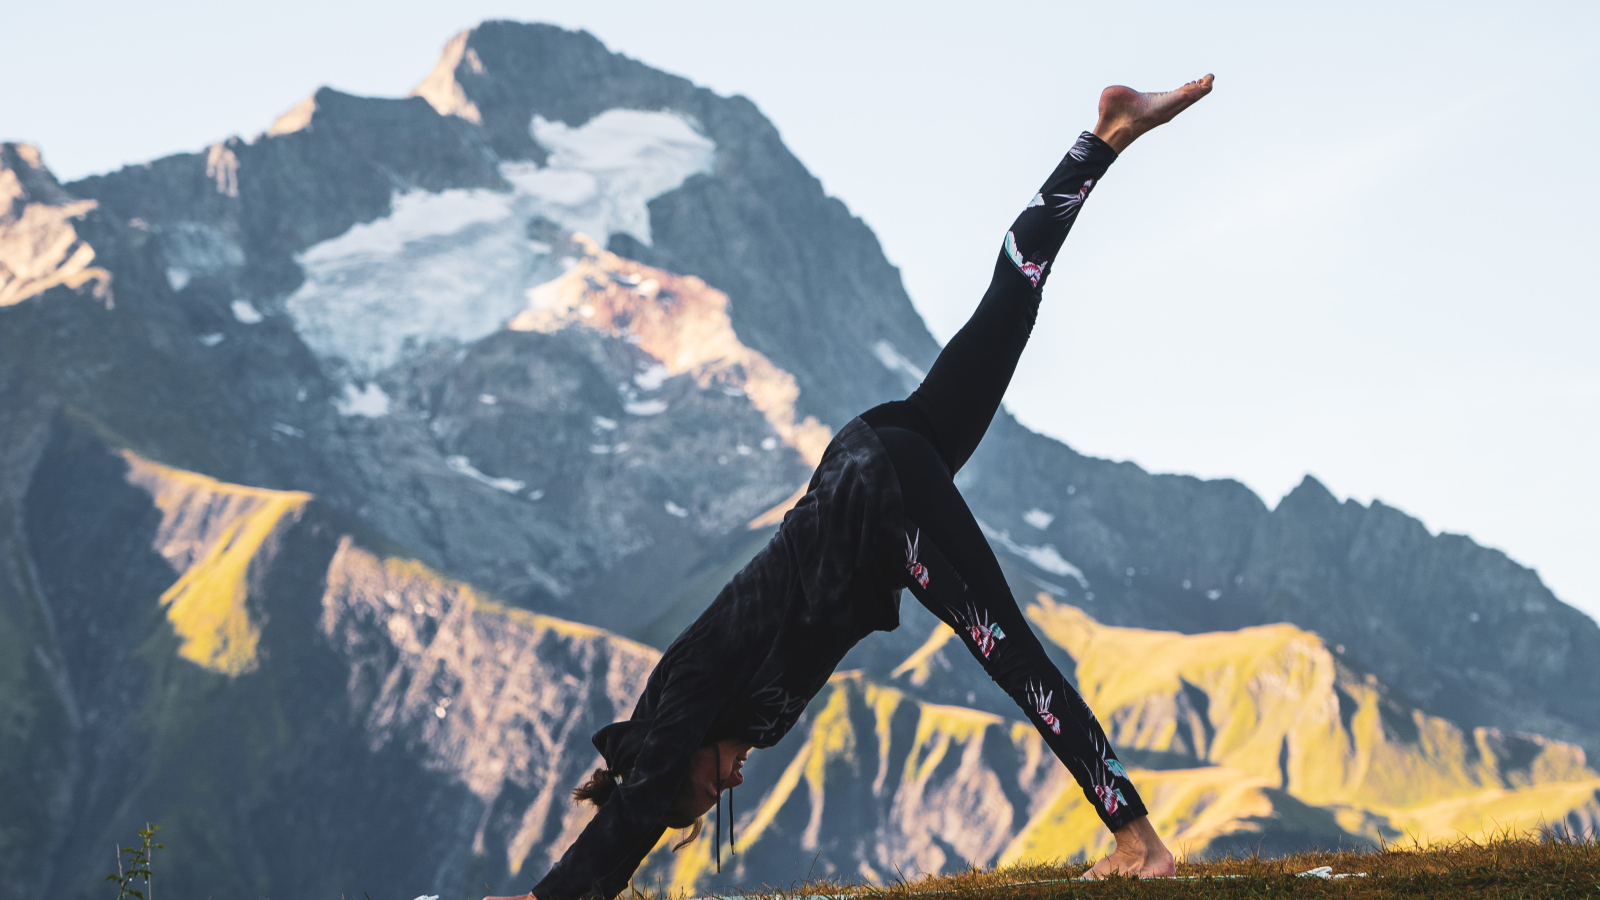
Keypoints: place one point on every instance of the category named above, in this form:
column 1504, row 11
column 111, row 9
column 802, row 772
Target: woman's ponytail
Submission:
column 599, row 788
column 603, row 783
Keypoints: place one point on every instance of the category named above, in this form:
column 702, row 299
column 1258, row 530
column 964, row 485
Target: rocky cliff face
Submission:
column 39, row 246
column 280, row 415
column 296, row 692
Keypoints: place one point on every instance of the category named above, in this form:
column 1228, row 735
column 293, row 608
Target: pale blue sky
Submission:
column 1370, row 255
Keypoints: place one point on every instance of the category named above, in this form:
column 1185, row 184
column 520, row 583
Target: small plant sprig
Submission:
column 138, row 865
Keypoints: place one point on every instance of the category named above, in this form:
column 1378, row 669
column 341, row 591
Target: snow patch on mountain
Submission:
column 645, row 407
column 652, row 378
column 601, row 175
column 199, row 249
column 370, row 401
column 1038, row 518
column 896, row 362
column 245, row 312
column 1046, row 557
column 452, row 266
column 463, row 466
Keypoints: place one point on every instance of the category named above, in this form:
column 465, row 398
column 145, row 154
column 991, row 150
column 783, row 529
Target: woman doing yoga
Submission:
column 881, row 514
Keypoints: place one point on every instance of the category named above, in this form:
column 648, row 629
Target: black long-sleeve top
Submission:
column 751, row 662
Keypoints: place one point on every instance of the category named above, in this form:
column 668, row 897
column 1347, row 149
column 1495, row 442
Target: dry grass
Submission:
column 1558, row 866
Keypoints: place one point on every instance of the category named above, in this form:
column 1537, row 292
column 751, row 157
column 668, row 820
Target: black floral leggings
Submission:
column 949, row 565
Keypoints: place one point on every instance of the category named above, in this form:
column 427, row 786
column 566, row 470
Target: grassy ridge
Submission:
column 1274, row 706
column 1505, row 867
column 213, row 533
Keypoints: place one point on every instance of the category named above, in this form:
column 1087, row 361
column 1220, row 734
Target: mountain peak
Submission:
column 25, row 179
column 1311, row 490
column 39, row 246
column 441, row 89
column 501, row 74
column 295, row 119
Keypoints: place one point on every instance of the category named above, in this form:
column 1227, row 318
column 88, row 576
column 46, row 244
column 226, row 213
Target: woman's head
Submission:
column 713, row 769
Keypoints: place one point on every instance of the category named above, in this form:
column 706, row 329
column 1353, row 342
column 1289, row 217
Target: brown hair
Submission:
column 599, row 788
column 603, row 783
column 694, row 832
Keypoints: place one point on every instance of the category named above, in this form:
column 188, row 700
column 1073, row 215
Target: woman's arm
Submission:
column 615, row 842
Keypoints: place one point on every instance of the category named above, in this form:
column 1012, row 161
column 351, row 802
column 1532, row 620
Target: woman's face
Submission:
column 715, row 768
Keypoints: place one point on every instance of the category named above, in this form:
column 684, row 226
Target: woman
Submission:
column 881, row 514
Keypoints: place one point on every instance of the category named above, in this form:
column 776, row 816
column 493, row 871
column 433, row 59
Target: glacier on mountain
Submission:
column 454, row 265
column 896, row 362
column 601, row 176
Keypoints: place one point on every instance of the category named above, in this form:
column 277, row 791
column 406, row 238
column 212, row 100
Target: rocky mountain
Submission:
column 352, row 472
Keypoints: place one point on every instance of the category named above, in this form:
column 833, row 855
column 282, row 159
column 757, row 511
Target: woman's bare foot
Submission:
column 1125, row 113
column 1139, row 852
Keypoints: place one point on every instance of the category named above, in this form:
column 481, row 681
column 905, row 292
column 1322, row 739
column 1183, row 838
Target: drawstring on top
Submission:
column 718, row 749
column 731, row 850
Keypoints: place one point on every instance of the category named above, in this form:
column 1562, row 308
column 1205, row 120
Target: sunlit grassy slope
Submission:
column 1260, row 739
column 1527, row 869
column 213, row 533
column 1277, row 706
column 293, row 661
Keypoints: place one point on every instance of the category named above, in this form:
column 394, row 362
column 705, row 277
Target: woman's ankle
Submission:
column 1130, row 838
column 1138, row 840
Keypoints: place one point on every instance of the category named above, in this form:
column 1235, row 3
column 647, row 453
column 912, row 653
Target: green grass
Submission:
column 1554, row 867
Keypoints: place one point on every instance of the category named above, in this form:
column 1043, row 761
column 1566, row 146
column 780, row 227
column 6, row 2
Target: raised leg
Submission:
column 962, row 391
column 964, row 387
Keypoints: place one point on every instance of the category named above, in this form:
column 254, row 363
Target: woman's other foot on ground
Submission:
column 1139, row 853
column 1125, row 113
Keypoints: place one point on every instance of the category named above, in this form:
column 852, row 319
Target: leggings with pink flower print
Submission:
column 949, row 566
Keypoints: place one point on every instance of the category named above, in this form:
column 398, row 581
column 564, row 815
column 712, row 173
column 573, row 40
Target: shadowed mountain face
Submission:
column 278, row 417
